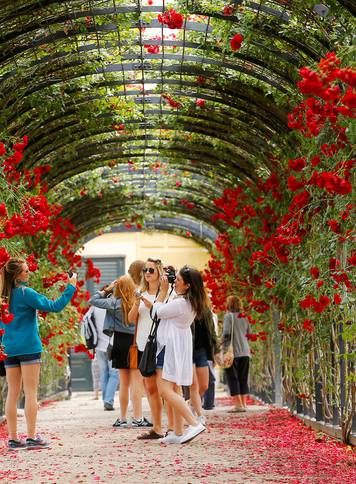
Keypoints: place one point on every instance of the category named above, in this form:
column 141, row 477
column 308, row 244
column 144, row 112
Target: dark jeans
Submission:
column 237, row 376
column 209, row 395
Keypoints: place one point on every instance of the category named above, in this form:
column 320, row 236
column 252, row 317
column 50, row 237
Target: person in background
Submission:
column 237, row 324
column 135, row 271
column 95, row 374
column 109, row 376
column 23, row 346
column 205, row 345
column 209, row 395
column 117, row 324
column 175, row 348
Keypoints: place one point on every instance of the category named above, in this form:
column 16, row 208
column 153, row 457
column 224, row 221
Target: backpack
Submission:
column 89, row 330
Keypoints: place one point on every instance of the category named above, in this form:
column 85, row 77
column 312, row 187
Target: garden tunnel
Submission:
column 92, row 84
column 144, row 121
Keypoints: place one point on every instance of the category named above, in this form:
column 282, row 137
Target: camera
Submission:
column 171, row 274
column 138, row 293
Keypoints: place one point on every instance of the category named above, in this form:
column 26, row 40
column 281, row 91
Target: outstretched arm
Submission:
column 38, row 301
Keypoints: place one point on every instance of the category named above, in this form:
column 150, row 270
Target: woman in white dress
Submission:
column 175, row 349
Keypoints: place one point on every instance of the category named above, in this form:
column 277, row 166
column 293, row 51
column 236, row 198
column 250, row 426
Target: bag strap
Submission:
column 232, row 328
column 155, row 320
column 135, row 333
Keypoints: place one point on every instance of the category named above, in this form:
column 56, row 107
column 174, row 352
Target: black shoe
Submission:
column 16, row 444
column 143, row 422
column 108, row 406
column 120, row 423
column 37, row 443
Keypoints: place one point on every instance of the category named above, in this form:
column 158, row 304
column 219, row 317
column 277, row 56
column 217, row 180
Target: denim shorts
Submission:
column 200, row 358
column 160, row 359
column 19, row 360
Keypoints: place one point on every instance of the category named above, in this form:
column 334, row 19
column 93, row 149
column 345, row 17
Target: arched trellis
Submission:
column 50, row 49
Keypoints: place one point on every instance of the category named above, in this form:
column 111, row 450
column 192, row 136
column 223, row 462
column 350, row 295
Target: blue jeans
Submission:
column 109, row 377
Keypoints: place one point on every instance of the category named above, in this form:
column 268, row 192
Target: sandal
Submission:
column 151, row 435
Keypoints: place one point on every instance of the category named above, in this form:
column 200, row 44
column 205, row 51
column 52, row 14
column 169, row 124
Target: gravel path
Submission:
column 85, row 448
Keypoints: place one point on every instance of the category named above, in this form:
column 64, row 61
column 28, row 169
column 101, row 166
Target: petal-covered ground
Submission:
column 262, row 446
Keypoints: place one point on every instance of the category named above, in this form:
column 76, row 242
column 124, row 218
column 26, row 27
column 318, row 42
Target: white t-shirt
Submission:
column 144, row 321
column 103, row 340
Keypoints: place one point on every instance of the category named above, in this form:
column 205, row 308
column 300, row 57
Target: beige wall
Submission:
column 171, row 249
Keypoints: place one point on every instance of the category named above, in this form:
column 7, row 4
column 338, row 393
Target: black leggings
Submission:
column 237, row 376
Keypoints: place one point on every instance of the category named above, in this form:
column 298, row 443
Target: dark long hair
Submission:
column 196, row 293
column 8, row 275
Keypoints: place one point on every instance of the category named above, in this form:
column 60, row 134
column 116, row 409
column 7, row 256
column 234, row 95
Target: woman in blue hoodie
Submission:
column 23, row 346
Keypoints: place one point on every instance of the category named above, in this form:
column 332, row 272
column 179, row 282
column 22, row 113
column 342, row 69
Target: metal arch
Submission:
column 187, row 153
column 258, row 106
column 83, row 208
column 243, row 146
column 147, row 66
column 200, row 232
column 186, row 123
column 281, row 16
column 251, row 59
column 60, row 177
column 182, row 119
column 242, row 108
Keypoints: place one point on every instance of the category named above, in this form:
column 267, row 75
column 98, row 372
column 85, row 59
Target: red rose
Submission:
column 314, row 271
column 298, row 164
column 334, row 226
column 337, row 298
column 236, row 42
column 228, row 10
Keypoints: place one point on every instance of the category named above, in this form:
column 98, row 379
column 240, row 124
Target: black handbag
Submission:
column 2, row 369
column 2, row 364
column 148, row 361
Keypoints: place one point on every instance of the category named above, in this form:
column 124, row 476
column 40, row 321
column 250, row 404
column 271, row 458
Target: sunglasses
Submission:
column 148, row 269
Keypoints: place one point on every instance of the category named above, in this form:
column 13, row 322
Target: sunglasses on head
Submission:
column 155, row 261
column 148, row 269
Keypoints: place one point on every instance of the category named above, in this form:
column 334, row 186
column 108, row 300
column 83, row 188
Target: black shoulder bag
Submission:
column 148, row 362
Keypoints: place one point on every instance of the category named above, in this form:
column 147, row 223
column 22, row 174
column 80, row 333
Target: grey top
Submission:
column 241, row 329
column 113, row 322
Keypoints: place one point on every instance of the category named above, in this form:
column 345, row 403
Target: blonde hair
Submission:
column 158, row 265
column 125, row 290
column 8, row 274
column 135, row 271
column 233, row 304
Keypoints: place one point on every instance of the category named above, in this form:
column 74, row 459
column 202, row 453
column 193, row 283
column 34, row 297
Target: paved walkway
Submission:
column 85, row 448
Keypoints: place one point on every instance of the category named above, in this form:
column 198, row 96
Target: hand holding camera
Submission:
column 72, row 277
column 170, row 273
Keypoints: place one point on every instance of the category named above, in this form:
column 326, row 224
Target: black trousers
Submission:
column 237, row 376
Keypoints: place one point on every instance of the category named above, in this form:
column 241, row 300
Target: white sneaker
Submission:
column 192, row 432
column 201, row 419
column 171, row 438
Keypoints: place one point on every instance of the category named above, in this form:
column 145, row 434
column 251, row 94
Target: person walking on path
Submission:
column 23, row 346
column 109, row 376
column 175, row 348
column 205, row 345
column 237, row 325
column 117, row 324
